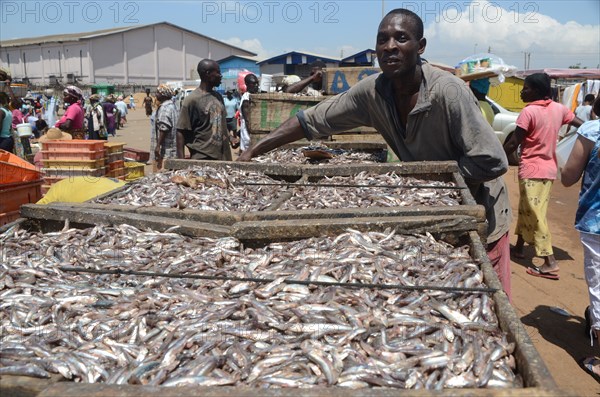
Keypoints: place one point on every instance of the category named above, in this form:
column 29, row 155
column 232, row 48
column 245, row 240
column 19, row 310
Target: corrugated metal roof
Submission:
column 70, row 37
column 324, row 58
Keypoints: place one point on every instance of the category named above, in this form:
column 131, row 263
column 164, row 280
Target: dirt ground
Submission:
column 559, row 339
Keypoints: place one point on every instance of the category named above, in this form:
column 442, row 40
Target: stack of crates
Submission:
column 115, row 160
column 67, row 159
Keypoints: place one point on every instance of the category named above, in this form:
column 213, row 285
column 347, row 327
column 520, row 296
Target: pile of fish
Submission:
column 377, row 190
column 203, row 188
column 278, row 332
column 327, row 156
column 227, row 189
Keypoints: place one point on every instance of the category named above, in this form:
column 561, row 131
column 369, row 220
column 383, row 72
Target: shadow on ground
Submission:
column 566, row 332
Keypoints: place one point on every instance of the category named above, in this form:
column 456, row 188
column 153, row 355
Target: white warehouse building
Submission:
column 141, row 54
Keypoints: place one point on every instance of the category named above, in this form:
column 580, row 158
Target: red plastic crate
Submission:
column 115, row 165
column 136, row 155
column 75, row 145
column 46, row 155
column 8, row 217
column 71, row 172
column 13, row 195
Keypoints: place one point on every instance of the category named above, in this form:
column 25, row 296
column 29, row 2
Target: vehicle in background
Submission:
column 504, row 125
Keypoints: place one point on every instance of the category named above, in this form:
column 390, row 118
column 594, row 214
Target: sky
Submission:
column 549, row 33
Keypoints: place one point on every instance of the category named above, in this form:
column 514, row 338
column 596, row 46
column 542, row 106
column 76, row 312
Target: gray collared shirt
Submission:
column 445, row 124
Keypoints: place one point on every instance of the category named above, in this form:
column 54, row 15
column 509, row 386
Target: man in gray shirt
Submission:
column 202, row 124
column 424, row 114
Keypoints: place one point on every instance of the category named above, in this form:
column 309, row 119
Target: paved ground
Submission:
column 559, row 339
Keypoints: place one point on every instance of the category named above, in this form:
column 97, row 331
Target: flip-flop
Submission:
column 588, row 365
column 537, row 272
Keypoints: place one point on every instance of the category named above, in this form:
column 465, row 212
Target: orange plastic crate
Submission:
column 115, row 165
column 13, row 195
column 74, row 164
column 75, row 145
column 117, row 173
column 8, row 217
column 46, row 155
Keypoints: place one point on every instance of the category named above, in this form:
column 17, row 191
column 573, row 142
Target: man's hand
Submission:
column 235, row 141
column 245, row 156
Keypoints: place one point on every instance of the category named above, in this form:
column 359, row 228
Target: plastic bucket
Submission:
column 24, row 130
column 265, row 82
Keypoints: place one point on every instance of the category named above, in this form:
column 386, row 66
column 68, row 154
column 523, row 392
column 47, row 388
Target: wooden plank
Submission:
column 69, row 389
column 338, row 80
column 293, row 230
column 24, row 386
column 285, row 170
column 58, row 212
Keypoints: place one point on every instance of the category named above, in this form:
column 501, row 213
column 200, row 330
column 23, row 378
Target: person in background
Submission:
column 584, row 111
column 312, row 85
column 424, row 114
column 41, row 127
column 110, row 114
column 251, row 82
column 480, row 89
column 131, row 102
column 6, row 138
column 122, row 108
column 232, row 104
column 202, row 126
column 165, row 126
column 17, row 112
column 148, row 103
column 585, row 160
column 96, row 123
column 72, row 120
column 537, row 133
column 50, row 107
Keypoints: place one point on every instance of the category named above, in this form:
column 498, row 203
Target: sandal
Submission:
column 588, row 365
column 538, row 272
column 588, row 324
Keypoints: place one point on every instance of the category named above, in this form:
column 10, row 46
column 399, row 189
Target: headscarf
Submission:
column 540, row 83
column 165, row 91
column 94, row 97
column 111, row 98
column 75, row 92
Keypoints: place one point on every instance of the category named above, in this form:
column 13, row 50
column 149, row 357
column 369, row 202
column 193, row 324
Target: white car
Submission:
column 505, row 123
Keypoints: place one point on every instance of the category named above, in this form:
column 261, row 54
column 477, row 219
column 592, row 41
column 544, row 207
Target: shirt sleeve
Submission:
column 524, row 119
column 184, row 124
column 568, row 116
column 337, row 114
column 483, row 157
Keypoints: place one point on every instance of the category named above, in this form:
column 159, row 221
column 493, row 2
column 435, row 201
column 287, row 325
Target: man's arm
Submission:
column 180, row 141
column 577, row 161
column 302, row 84
column 289, row 131
column 514, row 141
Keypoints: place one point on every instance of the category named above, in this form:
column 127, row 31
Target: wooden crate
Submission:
column 269, row 111
column 436, row 171
column 338, row 80
column 536, row 377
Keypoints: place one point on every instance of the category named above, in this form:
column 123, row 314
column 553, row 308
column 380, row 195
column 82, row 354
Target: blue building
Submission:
column 231, row 66
column 294, row 62
column 363, row 58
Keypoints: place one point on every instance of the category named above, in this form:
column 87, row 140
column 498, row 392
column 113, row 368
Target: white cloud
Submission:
column 253, row 45
column 509, row 34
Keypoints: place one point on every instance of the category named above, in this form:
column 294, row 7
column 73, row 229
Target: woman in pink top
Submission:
column 537, row 133
column 72, row 120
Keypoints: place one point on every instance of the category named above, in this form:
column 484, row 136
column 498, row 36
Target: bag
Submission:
column 564, row 148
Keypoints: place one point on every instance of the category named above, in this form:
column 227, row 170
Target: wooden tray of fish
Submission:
column 365, row 308
column 224, row 193
column 364, row 152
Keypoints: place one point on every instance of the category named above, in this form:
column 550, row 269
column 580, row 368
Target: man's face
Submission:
column 398, row 47
column 213, row 75
column 252, row 85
